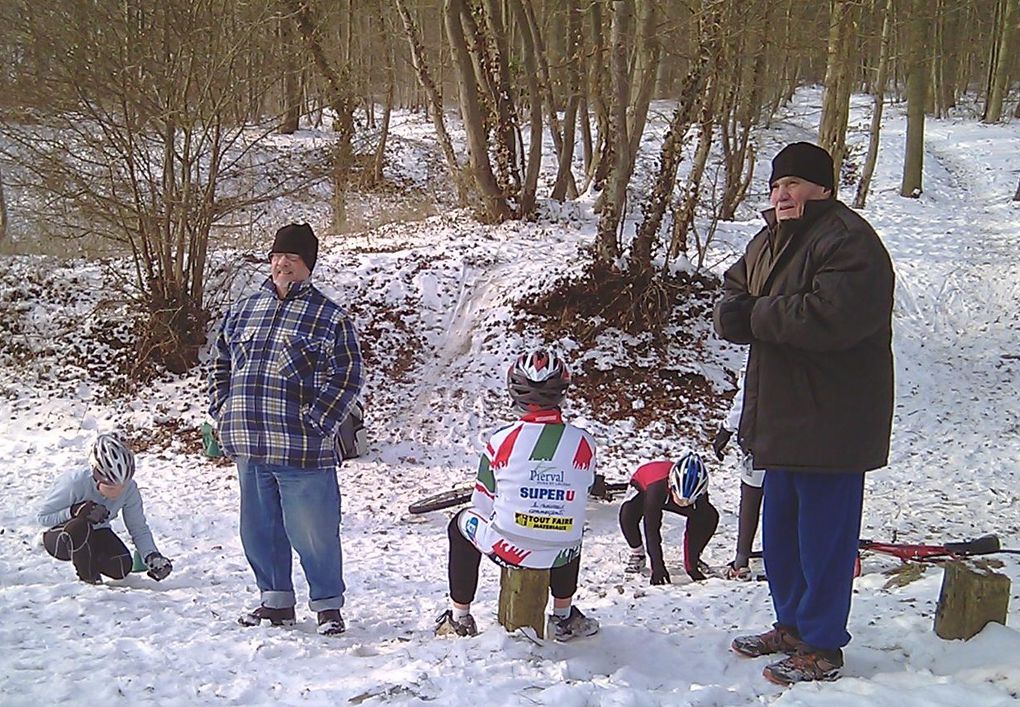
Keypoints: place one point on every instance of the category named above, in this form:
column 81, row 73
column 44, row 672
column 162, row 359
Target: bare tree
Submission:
column 527, row 196
column 1001, row 63
column 611, row 203
column 878, row 102
column 838, row 80
column 133, row 139
column 292, row 99
column 419, row 59
column 384, row 34
column 494, row 203
column 691, row 95
column 340, row 98
column 565, row 186
column 917, row 90
column 3, row 210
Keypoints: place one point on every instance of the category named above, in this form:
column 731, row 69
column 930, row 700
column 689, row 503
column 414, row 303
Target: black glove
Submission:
column 733, row 319
column 94, row 513
column 719, row 442
column 695, row 572
column 159, row 566
column 598, row 488
column 660, row 576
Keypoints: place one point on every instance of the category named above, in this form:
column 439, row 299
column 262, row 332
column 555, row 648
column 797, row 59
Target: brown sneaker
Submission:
column 331, row 623
column 805, row 667
column 276, row 617
column 779, row 640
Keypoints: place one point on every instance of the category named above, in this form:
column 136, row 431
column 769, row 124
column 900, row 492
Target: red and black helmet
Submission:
column 538, row 380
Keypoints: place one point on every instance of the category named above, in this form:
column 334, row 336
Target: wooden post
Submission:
column 523, row 594
column 972, row 595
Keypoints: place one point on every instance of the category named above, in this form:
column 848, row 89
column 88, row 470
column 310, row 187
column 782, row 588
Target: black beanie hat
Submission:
column 804, row 160
column 297, row 238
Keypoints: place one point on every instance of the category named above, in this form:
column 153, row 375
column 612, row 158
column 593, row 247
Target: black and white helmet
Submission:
column 111, row 460
column 688, row 478
column 538, row 380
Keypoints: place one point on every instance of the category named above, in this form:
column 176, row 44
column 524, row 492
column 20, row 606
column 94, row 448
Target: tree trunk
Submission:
column 687, row 203
column 3, row 210
column 527, row 196
column 384, row 130
column 917, row 90
column 291, row 80
column 647, row 68
column 494, row 203
column 1001, row 67
column 419, row 59
column 876, row 109
column 601, row 158
column 340, row 99
column 972, row 596
column 587, row 149
column 611, row 202
column 523, row 594
column 1016, row 196
column 565, row 185
column 493, row 47
column 838, row 81
column 691, row 95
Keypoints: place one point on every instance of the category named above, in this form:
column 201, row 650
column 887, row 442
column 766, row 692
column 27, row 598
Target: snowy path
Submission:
column 956, row 336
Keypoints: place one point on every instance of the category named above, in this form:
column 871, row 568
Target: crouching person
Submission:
column 80, row 506
column 528, row 507
column 681, row 488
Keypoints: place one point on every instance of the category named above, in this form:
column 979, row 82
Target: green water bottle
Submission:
column 211, row 444
column 138, row 564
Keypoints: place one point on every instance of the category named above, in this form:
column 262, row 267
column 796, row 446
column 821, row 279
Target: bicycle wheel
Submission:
column 439, row 501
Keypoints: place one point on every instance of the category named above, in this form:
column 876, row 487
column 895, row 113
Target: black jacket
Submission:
column 818, row 392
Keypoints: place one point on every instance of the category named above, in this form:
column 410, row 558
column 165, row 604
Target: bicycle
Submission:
column 909, row 552
column 461, row 495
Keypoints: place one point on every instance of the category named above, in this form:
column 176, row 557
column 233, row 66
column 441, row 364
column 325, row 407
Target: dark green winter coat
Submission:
column 818, row 392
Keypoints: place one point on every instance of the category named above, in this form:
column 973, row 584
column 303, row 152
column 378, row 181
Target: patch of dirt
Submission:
column 663, row 318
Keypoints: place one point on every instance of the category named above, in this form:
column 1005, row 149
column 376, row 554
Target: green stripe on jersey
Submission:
column 548, row 440
column 485, row 476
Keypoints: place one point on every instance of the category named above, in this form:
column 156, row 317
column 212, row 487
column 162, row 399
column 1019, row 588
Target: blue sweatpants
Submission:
column 811, row 523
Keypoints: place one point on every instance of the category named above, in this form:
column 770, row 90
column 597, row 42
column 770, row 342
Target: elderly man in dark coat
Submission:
column 812, row 295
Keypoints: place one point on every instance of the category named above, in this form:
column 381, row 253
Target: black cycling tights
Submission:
column 91, row 550
column 465, row 559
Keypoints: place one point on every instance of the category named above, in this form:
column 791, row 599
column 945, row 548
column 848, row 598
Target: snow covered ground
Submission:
column 447, row 282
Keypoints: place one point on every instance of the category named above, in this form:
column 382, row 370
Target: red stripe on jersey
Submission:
column 502, row 457
column 511, row 554
column 583, row 455
column 480, row 487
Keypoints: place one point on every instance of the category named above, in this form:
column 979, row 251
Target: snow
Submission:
column 449, row 284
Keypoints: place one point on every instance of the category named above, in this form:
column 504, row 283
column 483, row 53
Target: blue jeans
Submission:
column 811, row 523
column 284, row 507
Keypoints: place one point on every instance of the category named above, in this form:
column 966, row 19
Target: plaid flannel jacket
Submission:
column 283, row 376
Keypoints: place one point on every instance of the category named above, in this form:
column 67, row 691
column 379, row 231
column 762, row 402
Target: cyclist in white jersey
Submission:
column 528, row 507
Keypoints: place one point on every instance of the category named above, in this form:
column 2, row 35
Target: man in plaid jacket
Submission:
column 286, row 369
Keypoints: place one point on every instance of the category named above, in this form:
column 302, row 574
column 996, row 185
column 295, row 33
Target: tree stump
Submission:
column 523, row 594
column 972, row 595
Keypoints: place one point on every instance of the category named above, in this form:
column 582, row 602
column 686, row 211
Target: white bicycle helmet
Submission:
column 538, row 380
column 688, row 478
column 111, row 460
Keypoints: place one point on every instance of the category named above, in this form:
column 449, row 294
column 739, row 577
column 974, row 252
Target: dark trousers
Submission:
column 465, row 559
column 702, row 520
column 747, row 523
column 811, row 523
column 91, row 550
